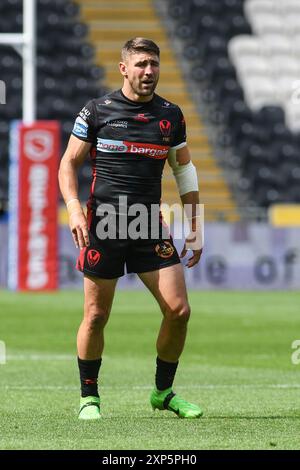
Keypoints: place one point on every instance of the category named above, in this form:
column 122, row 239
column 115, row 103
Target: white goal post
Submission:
column 25, row 44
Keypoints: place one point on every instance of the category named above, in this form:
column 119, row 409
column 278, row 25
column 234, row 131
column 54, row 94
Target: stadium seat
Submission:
column 290, row 6
column 229, row 88
column 281, row 134
column 212, row 7
column 237, row 25
column 276, row 45
column 267, row 195
column 284, row 66
column 259, row 91
column 292, row 112
column 265, row 23
column 291, row 24
column 286, row 89
column 293, row 193
column 288, row 152
column 244, row 45
column 178, row 9
column 213, row 47
column 270, row 116
column 295, row 45
column 293, row 178
column 249, row 66
column 254, row 8
column 234, row 6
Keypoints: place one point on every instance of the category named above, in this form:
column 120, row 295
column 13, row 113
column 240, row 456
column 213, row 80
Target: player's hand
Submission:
column 192, row 242
column 79, row 229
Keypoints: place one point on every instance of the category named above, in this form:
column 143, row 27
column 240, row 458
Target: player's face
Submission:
column 141, row 72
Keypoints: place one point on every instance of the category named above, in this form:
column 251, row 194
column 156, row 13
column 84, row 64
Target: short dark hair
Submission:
column 136, row 45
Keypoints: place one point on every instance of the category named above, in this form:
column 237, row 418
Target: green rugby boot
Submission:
column 168, row 400
column 89, row 408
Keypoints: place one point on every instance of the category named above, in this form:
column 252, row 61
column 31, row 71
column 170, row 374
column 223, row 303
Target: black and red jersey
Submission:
column 130, row 141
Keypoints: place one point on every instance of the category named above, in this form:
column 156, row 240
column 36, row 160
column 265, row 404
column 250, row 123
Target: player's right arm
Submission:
column 73, row 157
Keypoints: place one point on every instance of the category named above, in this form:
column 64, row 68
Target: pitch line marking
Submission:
column 149, row 387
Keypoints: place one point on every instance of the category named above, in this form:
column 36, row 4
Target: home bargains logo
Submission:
column 120, row 146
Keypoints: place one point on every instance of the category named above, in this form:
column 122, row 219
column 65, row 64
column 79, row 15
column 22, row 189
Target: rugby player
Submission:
column 130, row 133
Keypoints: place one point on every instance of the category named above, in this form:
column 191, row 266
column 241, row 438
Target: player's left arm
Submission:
column 187, row 182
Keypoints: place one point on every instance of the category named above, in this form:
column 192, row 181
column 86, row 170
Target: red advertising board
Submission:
column 37, row 260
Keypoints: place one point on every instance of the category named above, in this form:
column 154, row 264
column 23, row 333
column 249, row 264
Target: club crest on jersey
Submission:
column 164, row 250
column 165, row 127
column 93, row 257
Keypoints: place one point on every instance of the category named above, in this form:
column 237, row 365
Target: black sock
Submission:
column 165, row 373
column 88, row 371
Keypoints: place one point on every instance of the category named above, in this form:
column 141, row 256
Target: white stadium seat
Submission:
column 250, row 65
column 291, row 6
column 276, row 44
column 256, row 7
column 295, row 43
column 244, row 45
column 286, row 88
column 292, row 115
column 285, row 66
column 291, row 24
column 266, row 23
column 259, row 92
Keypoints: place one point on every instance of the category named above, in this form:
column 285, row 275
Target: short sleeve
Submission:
column 85, row 126
column 180, row 132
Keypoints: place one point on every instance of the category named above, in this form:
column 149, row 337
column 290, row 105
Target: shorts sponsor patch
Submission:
column 80, row 127
column 164, row 249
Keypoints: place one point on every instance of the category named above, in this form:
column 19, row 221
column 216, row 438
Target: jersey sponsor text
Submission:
column 120, row 146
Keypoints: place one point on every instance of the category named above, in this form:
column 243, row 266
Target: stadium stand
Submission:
column 66, row 74
column 244, row 55
column 70, row 71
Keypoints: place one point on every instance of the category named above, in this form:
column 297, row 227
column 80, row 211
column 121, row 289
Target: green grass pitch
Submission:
column 236, row 365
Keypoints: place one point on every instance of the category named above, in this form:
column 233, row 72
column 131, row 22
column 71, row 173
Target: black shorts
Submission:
column 106, row 258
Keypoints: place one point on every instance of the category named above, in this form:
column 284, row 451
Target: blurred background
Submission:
column 233, row 66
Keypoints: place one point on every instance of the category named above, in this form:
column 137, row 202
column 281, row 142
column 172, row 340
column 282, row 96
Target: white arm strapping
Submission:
column 185, row 175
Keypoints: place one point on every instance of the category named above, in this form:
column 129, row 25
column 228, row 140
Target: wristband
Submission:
column 71, row 200
column 73, row 205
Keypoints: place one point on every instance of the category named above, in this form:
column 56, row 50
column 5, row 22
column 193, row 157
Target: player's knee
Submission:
column 179, row 313
column 95, row 317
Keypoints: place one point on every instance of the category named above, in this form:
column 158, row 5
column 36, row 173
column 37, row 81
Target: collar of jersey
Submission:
column 137, row 103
